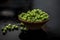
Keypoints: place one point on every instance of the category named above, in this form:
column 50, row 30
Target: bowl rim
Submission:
column 32, row 22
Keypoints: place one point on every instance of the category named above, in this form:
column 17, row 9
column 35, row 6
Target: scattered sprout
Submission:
column 21, row 28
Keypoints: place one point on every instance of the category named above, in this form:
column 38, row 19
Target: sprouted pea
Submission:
column 7, row 27
column 4, row 31
column 21, row 28
column 16, row 26
column 25, row 28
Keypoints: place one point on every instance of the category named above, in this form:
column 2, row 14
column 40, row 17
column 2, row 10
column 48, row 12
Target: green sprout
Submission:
column 34, row 15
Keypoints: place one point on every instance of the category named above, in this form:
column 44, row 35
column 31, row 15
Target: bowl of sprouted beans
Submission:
column 34, row 19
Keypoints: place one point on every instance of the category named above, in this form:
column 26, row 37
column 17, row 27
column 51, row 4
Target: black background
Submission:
column 52, row 7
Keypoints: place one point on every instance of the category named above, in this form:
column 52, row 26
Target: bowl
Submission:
column 33, row 25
